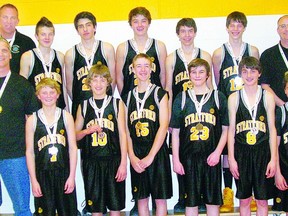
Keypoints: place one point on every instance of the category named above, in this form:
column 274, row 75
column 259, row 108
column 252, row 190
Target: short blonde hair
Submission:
column 99, row 70
column 48, row 82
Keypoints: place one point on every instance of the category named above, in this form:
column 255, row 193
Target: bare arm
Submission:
column 278, row 101
column 25, row 64
column 255, row 52
column 65, row 94
column 206, row 56
column 169, row 80
column 122, row 170
column 177, row 165
column 160, row 135
column 30, row 156
column 232, row 101
column 162, row 59
column 69, row 64
column 119, row 66
column 110, row 56
column 270, row 109
column 70, row 183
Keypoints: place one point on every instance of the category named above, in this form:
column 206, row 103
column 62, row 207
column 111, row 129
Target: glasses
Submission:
column 283, row 26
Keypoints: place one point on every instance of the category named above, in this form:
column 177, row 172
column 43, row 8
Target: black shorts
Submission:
column 155, row 180
column 101, row 188
column 201, row 179
column 252, row 164
column 52, row 184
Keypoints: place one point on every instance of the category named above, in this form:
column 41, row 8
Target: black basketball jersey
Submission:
column 80, row 90
column 230, row 81
column 130, row 80
column 181, row 80
column 203, row 139
column 46, row 156
column 245, row 125
column 107, row 144
column 283, row 147
column 37, row 73
column 143, row 129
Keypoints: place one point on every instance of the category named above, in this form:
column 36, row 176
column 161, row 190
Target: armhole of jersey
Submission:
column 57, row 56
column 283, row 111
column 128, row 101
column 34, row 121
column 103, row 50
column 64, row 118
column 126, row 47
column 264, row 99
column 73, row 54
column 32, row 62
column 156, row 48
column 156, row 96
column 200, row 52
column 84, row 108
column 183, row 101
column 222, row 55
column 174, row 58
column 237, row 100
column 249, row 49
column 216, row 96
column 115, row 106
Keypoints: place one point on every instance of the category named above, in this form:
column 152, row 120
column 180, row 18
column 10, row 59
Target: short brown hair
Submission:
column 139, row 11
column 249, row 62
column 237, row 17
column 44, row 22
column 197, row 62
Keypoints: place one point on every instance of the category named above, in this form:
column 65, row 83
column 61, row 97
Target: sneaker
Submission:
column 228, row 200
column 180, row 207
column 134, row 210
column 253, row 205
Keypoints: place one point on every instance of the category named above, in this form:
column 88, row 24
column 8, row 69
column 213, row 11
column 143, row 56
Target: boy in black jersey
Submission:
column 51, row 154
column 199, row 124
column 100, row 123
column 281, row 176
column 252, row 148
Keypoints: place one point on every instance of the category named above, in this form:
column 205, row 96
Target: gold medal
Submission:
column 1, row 109
column 138, row 125
column 199, row 126
column 101, row 135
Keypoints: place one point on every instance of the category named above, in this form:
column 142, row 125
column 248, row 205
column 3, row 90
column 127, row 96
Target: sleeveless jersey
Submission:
column 143, row 130
column 230, row 81
column 283, row 147
column 95, row 146
column 44, row 157
column 37, row 73
column 244, row 124
column 181, row 80
column 204, row 140
column 80, row 90
column 130, row 80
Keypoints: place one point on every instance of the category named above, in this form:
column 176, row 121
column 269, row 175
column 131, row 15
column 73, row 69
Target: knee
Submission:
column 262, row 203
column 245, row 202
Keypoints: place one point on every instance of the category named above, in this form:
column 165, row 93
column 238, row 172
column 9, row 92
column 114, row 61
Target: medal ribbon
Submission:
column 44, row 64
column 142, row 102
column 135, row 46
column 283, row 55
column 198, row 105
column 4, row 83
column 54, row 124
column 183, row 58
column 89, row 62
column 99, row 110
column 252, row 109
column 230, row 50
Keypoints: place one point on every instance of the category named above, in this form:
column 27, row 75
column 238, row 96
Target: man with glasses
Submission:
column 274, row 62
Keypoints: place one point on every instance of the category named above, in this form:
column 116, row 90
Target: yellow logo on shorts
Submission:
column 62, row 131
column 110, row 117
column 261, row 118
column 151, row 107
column 40, row 210
column 212, row 111
column 185, row 195
column 278, row 200
column 57, row 70
column 135, row 189
column 90, row 202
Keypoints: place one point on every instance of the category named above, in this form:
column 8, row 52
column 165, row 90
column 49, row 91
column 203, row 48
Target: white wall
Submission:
column 260, row 32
